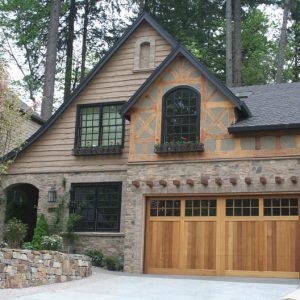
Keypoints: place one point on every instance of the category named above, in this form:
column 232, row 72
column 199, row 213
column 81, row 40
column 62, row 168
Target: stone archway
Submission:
column 22, row 203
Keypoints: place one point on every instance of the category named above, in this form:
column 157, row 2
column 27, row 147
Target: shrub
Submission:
column 112, row 263
column 27, row 246
column 41, row 229
column 96, row 256
column 3, row 244
column 73, row 220
column 15, row 232
column 53, row 242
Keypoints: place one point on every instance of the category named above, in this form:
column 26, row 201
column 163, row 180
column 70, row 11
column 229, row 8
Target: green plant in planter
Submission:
column 112, row 263
column 15, row 232
column 27, row 246
column 53, row 242
column 41, row 229
column 96, row 256
column 3, row 244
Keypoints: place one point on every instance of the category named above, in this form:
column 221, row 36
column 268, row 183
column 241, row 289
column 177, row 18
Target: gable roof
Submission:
column 273, row 107
column 144, row 17
column 181, row 50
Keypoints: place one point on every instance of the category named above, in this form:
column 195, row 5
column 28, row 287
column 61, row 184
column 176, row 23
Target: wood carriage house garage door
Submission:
column 245, row 236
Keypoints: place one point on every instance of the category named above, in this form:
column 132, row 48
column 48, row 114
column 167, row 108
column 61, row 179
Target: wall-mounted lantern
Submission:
column 52, row 194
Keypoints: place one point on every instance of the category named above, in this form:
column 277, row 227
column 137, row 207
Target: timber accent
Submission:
column 259, row 246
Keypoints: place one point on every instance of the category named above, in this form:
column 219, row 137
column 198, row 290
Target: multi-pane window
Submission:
column 203, row 208
column 98, row 205
column 281, row 207
column 99, row 125
column 181, row 116
column 242, row 207
column 164, row 208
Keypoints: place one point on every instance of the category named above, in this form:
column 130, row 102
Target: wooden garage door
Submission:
column 249, row 236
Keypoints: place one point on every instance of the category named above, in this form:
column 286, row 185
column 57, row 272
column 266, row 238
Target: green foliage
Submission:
column 3, row 244
column 28, row 246
column 53, row 242
column 96, row 256
column 11, row 120
column 59, row 222
column 73, row 220
column 41, row 229
column 112, row 263
column 15, row 232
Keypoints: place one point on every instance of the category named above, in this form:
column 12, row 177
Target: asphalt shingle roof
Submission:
column 274, row 106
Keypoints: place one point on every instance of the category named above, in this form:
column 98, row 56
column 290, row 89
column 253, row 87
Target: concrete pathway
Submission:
column 104, row 285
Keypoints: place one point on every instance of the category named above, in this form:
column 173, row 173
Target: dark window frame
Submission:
column 101, row 105
column 164, row 106
column 118, row 184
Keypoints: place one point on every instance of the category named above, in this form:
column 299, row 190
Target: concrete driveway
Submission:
column 104, row 285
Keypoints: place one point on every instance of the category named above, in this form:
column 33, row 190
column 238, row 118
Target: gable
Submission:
column 117, row 80
column 216, row 113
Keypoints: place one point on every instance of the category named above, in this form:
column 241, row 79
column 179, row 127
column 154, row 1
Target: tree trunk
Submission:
column 70, row 39
column 297, row 55
column 50, row 68
column 237, row 44
column 282, row 43
column 84, row 38
column 228, row 43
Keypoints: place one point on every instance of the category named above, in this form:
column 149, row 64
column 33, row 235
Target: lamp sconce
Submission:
column 52, row 194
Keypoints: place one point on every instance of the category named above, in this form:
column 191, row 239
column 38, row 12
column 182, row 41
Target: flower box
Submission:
column 178, row 147
column 102, row 150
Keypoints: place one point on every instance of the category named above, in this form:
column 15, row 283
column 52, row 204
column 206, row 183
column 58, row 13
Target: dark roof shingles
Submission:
column 270, row 105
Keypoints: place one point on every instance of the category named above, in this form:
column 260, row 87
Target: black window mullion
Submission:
column 100, row 125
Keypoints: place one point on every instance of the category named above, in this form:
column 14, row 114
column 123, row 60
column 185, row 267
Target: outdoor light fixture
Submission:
column 52, row 194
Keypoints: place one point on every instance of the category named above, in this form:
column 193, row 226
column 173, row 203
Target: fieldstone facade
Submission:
column 25, row 268
column 288, row 169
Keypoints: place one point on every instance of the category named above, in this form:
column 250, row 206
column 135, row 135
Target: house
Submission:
column 170, row 168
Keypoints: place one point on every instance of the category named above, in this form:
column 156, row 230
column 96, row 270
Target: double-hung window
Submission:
column 99, row 128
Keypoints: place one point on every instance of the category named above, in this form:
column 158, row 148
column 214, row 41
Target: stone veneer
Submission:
column 253, row 168
column 24, row 268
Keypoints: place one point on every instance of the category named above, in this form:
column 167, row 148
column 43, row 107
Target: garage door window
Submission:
column 165, row 208
column 242, row 207
column 203, row 208
column 281, row 207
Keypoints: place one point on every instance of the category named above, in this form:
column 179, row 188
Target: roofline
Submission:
column 257, row 128
column 240, row 105
column 143, row 17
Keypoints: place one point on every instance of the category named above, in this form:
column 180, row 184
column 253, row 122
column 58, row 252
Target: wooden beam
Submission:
column 176, row 182
column 190, row 182
column 149, row 183
column 263, row 180
column 248, row 180
column 294, row 180
column 204, row 181
column 279, row 180
column 136, row 183
column 163, row 183
column 218, row 181
column 233, row 180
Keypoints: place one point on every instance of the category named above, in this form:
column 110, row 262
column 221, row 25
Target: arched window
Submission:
column 181, row 115
column 145, row 55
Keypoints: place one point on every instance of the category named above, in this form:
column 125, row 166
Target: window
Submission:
column 99, row 206
column 203, row 208
column 145, row 55
column 281, row 207
column 181, row 116
column 99, row 126
column 242, row 207
column 165, row 208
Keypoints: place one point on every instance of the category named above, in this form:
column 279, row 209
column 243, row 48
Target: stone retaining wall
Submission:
column 24, row 268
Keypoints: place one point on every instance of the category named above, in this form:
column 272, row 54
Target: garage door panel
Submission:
column 164, row 243
column 200, row 245
column 281, row 245
column 243, row 245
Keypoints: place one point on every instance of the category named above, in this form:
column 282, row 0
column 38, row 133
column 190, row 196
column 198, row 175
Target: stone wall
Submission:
column 24, row 268
column 209, row 170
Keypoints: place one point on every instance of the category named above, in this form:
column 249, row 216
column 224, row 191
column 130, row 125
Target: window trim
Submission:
column 163, row 118
column 101, row 105
column 96, row 184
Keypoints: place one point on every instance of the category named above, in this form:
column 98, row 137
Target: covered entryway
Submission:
column 22, row 202
column 244, row 236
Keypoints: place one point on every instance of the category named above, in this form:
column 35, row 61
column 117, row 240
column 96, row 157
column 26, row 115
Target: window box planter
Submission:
column 103, row 150
column 178, row 148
